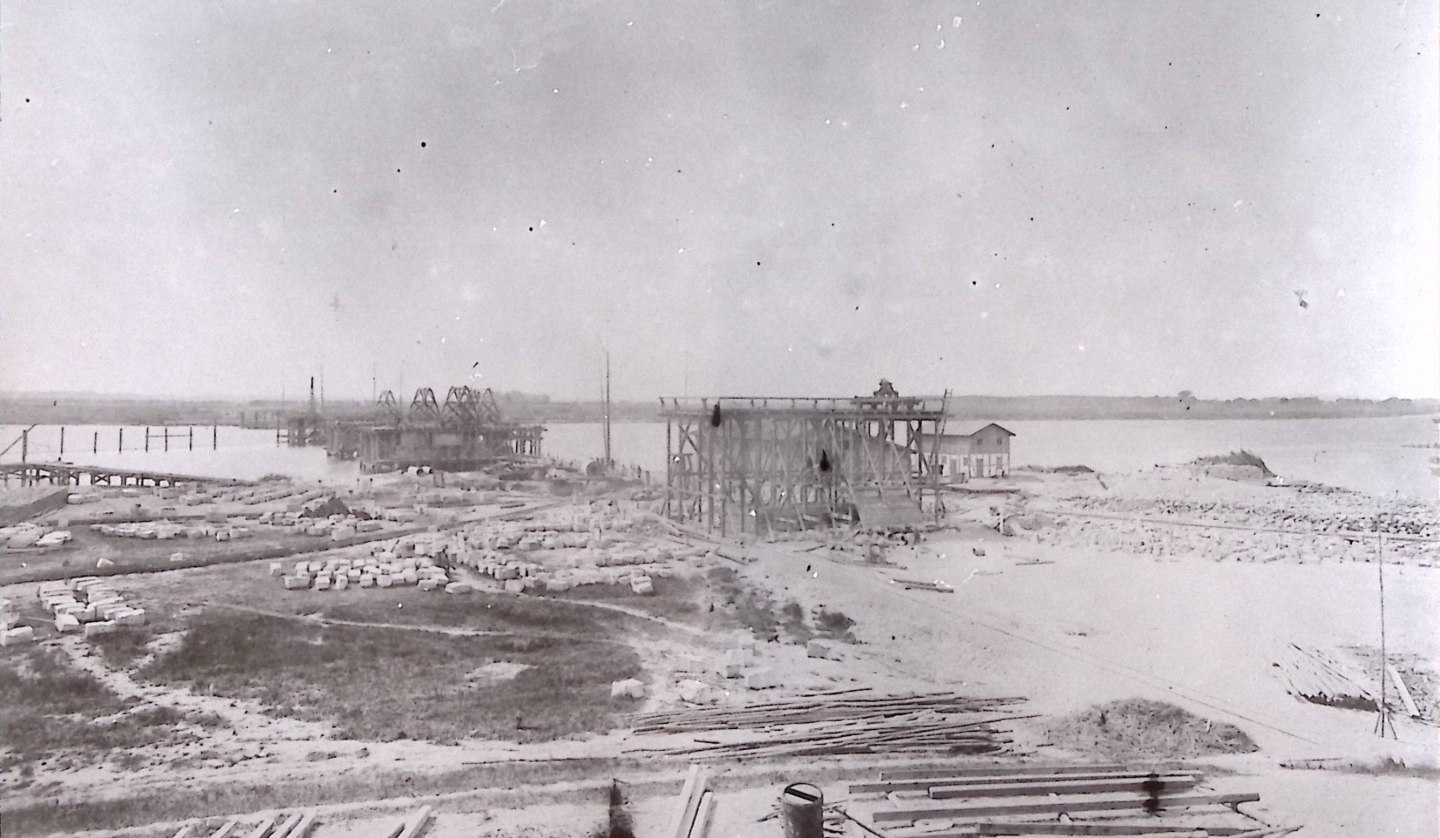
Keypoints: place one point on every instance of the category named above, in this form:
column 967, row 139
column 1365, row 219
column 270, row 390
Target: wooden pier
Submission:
column 30, row 474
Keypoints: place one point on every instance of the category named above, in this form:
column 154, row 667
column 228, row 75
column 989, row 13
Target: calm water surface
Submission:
column 1379, row 456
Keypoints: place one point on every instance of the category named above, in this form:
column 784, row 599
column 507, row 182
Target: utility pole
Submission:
column 1383, row 720
column 608, row 460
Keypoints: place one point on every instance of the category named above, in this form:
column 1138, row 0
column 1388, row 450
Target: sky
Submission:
column 740, row 197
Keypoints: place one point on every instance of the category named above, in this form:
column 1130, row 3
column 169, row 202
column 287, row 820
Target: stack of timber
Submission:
column 1320, row 678
column 283, row 825
column 1168, row 800
column 936, row 723
column 694, row 809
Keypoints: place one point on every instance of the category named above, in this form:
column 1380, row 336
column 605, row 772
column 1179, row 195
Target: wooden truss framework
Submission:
column 763, row 463
column 468, row 418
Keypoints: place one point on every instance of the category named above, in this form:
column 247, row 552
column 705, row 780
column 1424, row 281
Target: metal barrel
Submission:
column 802, row 807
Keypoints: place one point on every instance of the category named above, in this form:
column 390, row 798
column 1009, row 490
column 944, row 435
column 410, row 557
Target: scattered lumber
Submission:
column 1030, row 800
column 1071, row 805
column 941, row 723
column 286, row 827
column 304, row 827
column 228, row 830
column 687, row 807
column 263, row 829
column 1319, row 678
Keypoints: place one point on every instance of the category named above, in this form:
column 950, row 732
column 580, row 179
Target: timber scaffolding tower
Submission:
column 464, row 433
column 762, row 464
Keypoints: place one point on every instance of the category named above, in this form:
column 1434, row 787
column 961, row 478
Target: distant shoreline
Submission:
column 58, row 409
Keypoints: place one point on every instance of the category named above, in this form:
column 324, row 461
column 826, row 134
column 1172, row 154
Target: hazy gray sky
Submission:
column 736, row 197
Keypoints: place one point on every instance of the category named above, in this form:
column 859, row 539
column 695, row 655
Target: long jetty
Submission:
column 58, row 474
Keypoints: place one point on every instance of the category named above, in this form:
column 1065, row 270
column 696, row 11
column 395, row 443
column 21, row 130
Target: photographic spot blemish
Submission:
column 532, row 229
column 422, row 143
column 757, row 264
column 715, row 417
column 824, row 460
column 973, row 282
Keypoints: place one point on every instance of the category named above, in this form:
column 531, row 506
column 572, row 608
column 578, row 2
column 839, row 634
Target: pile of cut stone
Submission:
column 380, row 570
column 27, row 534
column 11, row 632
column 89, row 605
column 168, row 531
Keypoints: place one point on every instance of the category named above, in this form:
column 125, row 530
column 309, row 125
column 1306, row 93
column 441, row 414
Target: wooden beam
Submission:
column 688, row 803
column 1156, row 787
column 417, row 825
column 304, row 827
column 1405, row 697
column 703, row 816
column 263, row 829
column 1081, row 828
column 1072, row 806
column 287, row 826
column 993, row 770
column 228, row 829
column 922, row 784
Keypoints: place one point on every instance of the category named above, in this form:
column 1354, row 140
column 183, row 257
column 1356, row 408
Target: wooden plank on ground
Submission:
column 703, row 816
column 418, row 824
column 189, row 830
column 1157, row 786
column 989, row 770
column 1405, row 698
column 688, row 803
column 1083, row 828
column 925, row 783
column 228, row 830
column 263, row 829
column 287, row 826
column 304, row 827
column 1059, row 806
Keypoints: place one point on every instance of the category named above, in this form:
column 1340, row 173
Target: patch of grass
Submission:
column 674, row 598
column 123, row 648
column 1141, row 728
column 385, row 684
column 835, row 624
column 756, row 610
column 51, row 709
column 1391, row 767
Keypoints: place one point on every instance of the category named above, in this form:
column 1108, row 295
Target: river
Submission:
column 1385, row 456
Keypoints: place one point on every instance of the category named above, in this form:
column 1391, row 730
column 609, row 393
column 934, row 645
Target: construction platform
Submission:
column 464, row 433
column 741, row 464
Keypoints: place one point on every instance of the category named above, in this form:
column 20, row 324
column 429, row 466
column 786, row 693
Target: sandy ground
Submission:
column 1065, row 625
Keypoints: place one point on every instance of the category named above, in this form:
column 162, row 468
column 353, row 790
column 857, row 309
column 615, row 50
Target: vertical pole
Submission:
column 25, row 445
column 669, row 481
column 147, row 437
column 215, row 437
column 96, row 446
column 1383, row 721
column 192, row 437
column 166, row 430
column 120, row 445
column 62, row 440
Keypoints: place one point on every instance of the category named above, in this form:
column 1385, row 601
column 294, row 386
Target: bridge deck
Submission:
column 78, row 475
